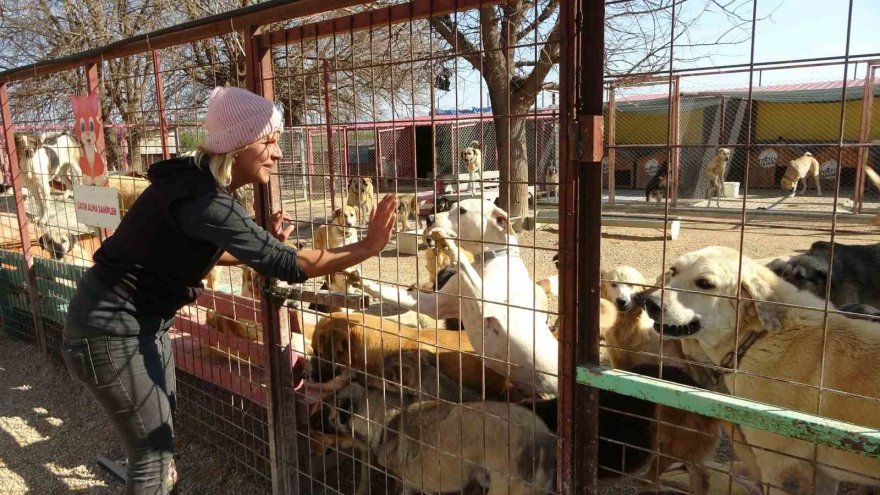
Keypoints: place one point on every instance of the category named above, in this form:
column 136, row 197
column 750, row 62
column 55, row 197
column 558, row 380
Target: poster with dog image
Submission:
column 87, row 130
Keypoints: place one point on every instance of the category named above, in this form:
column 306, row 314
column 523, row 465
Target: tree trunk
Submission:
column 510, row 136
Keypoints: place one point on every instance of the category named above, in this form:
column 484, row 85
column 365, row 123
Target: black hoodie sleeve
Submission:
column 219, row 219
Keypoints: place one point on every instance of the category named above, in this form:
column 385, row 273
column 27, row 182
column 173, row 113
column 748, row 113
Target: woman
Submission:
column 116, row 334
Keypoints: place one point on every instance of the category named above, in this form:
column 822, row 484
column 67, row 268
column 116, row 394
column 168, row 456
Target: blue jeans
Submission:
column 132, row 378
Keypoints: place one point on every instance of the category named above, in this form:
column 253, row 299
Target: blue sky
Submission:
column 790, row 29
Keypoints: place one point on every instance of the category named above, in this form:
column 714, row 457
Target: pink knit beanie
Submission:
column 236, row 118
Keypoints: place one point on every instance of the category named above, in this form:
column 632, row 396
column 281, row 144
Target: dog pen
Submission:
column 394, row 94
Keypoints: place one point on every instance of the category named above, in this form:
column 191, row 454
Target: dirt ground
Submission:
column 51, row 432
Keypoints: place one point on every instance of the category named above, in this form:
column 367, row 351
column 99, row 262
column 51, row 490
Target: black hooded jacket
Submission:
column 155, row 261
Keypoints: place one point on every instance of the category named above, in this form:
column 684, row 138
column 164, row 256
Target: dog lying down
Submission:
column 783, row 342
column 443, row 447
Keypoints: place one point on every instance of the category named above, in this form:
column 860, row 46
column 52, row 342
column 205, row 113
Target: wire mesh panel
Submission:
column 398, row 361
column 732, row 235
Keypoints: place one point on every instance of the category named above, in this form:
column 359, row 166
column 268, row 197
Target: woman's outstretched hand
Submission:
column 383, row 218
column 276, row 226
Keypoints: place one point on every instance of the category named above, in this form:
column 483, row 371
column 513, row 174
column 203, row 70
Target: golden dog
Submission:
column 407, row 205
column 342, row 231
column 799, row 169
column 715, row 173
column 363, row 341
column 782, row 338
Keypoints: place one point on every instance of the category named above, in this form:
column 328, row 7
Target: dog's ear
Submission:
column 500, row 219
column 337, row 214
column 763, row 305
column 368, row 181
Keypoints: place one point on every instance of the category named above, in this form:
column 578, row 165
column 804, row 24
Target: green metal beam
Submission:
column 809, row 427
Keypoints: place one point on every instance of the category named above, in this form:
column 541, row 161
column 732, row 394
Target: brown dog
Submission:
column 362, row 342
column 361, row 196
column 799, row 169
column 407, row 205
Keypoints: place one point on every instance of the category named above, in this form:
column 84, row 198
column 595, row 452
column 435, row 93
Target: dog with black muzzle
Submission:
column 441, row 447
column 787, row 352
column 361, row 196
column 551, row 180
column 656, row 188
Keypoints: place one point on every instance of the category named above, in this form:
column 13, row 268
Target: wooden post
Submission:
column 160, row 99
column 23, row 233
column 864, row 134
column 283, row 451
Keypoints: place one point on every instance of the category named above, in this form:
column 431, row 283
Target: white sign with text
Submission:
column 97, row 206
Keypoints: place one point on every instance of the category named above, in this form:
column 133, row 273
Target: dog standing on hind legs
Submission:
column 715, row 172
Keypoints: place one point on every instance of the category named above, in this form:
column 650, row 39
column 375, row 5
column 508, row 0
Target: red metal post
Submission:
column 93, row 83
column 160, row 99
column 23, row 232
column 581, row 82
column 331, row 162
column 281, row 409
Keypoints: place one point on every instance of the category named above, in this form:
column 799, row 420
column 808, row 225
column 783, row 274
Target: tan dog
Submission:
column 407, row 205
column 472, row 158
column 130, row 188
column 362, row 342
column 799, row 169
column 341, row 232
column 484, row 447
column 875, row 179
column 782, row 338
column 715, row 172
column 362, row 197
column 74, row 249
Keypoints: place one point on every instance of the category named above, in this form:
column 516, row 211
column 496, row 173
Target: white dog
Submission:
column 782, row 339
column 43, row 159
column 551, row 180
column 497, row 306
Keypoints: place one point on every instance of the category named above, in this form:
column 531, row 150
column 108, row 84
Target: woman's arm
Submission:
column 318, row 262
column 227, row 259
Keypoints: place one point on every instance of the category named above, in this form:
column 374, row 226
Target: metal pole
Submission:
column 280, row 408
column 330, row 158
column 675, row 137
column 612, row 151
column 581, row 118
column 23, row 230
column 163, row 124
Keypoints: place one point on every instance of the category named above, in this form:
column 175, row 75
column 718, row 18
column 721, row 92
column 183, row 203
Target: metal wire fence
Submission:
column 466, row 357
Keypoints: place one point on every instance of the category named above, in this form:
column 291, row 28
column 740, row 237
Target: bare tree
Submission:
column 515, row 47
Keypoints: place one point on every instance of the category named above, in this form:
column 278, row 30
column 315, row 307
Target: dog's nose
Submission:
column 430, row 219
column 623, row 304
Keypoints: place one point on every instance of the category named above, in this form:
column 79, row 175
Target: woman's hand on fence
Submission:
column 276, row 226
column 383, row 218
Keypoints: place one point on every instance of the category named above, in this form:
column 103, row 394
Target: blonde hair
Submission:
column 220, row 165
